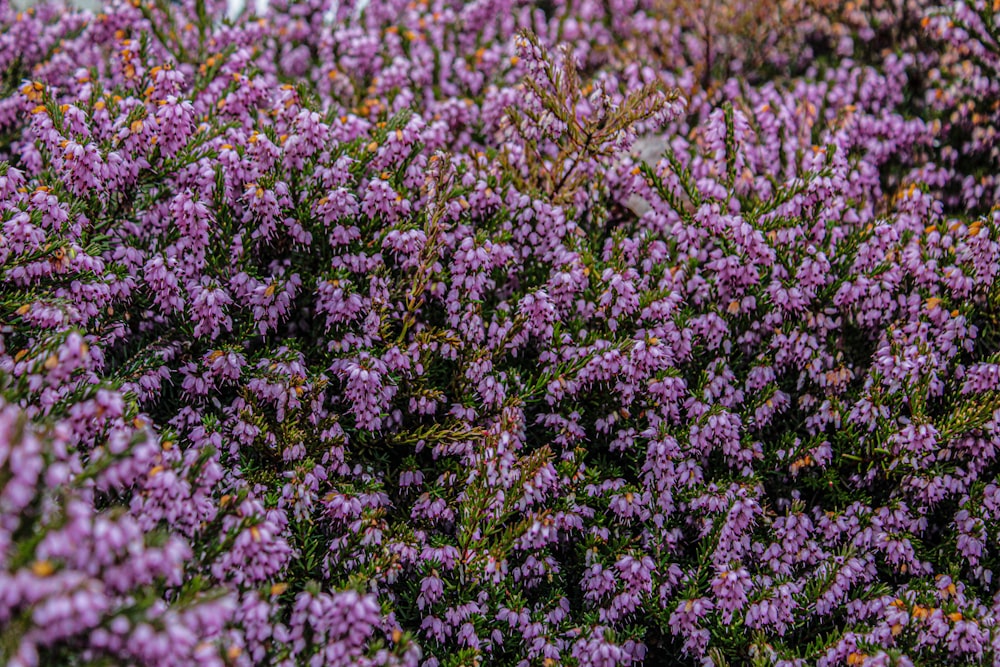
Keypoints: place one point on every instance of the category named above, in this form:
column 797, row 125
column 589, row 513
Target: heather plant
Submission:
column 734, row 39
column 962, row 100
column 82, row 578
column 442, row 333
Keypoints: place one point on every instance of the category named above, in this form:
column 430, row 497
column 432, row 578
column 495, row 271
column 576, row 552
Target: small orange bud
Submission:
column 42, row 568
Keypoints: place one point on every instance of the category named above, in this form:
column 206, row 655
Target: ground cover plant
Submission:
column 447, row 333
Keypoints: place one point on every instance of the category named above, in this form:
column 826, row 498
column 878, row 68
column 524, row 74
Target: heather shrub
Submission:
column 962, row 100
column 83, row 579
column 466, row 334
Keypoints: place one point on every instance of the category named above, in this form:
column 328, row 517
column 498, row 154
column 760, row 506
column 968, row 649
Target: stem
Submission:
column 573, row 165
